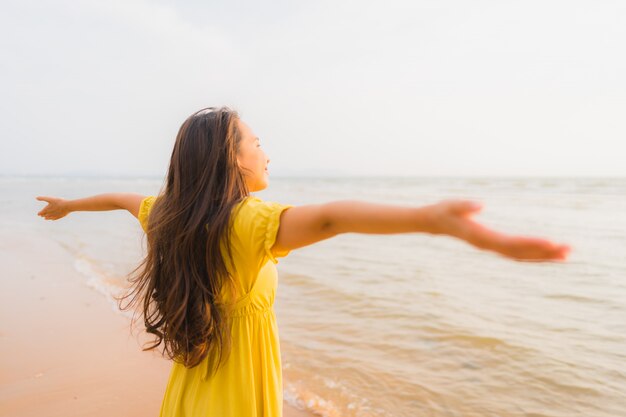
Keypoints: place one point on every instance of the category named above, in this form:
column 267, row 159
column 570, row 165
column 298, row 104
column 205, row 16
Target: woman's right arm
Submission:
column 304, row 225
column 59, row 207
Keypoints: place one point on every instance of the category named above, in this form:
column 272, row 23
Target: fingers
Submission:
column 519, row 248
column 523, row 248
column 463, row 207
column 563, row 252
column 44, row 212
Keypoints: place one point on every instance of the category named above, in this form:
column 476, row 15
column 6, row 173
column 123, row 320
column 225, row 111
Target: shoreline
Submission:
column 64, row 350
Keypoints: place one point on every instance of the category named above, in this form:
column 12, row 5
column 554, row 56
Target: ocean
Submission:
column 413, row 324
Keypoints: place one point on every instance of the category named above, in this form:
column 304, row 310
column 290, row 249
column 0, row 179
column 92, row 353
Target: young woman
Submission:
column 207, row 284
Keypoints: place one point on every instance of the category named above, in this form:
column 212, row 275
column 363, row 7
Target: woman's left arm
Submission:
column 59, row 207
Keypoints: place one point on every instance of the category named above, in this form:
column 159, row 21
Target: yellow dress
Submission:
column 249, row 383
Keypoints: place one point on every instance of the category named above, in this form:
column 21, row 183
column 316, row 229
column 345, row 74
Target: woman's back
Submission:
column 249, row 382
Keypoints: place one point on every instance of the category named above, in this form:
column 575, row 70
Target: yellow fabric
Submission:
column 249, row 383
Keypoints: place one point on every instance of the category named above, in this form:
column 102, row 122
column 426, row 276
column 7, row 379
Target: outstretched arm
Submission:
column 305, row 225
column 60, row 207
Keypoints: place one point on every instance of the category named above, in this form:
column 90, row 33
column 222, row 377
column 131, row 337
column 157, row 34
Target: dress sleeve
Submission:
column 257, row 225
column 144, row 210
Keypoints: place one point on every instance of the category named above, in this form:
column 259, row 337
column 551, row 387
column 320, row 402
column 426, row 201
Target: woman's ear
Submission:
column 240, row 167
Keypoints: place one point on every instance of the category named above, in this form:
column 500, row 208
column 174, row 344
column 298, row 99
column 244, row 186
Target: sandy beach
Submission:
column 65, row 352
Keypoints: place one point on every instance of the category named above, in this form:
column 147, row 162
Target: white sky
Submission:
column 458, row 88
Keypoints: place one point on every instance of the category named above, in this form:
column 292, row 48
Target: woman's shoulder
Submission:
column 251, row 202
column 252, row 205
column 254, row 212
column 246, row 207
column 147, row 203
column 149, row 199
column 256, row 224
column 144, row 209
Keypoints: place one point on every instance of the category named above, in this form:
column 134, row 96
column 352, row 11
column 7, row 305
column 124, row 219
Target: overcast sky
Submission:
column 423, row 88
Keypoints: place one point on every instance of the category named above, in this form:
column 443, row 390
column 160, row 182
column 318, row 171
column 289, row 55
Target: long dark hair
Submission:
column 180, row 279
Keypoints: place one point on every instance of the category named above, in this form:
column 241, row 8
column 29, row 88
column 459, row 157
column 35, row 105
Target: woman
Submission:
column 208, row 281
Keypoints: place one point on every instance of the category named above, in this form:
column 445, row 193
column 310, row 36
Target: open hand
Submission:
column 451, row 217
column 55, row 209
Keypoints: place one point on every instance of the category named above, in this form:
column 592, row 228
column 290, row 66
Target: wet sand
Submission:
column 64, row 350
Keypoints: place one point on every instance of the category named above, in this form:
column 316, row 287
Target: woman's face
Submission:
column 252, row 159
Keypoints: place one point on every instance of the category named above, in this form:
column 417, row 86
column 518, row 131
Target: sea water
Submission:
column 414, row 324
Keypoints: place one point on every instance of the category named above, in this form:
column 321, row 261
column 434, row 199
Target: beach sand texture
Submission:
column 65, row 352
